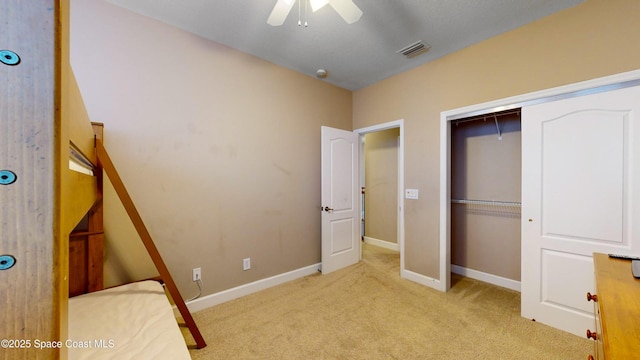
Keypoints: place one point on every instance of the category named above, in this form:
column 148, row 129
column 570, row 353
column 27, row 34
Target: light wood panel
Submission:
column 29, row 146
column 81, row 130
column 86, row 242
column 41, row 110
column 79, row 190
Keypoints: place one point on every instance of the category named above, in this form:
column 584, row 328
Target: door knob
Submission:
column 327, row 209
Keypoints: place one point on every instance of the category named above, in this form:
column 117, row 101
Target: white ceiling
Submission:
column 355, row 55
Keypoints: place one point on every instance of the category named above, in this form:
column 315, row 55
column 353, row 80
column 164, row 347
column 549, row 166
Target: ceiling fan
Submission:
column 345, row 8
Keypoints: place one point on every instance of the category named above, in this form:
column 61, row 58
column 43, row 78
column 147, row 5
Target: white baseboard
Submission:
column 489, row 278
column 382, row 243
column 422, row 279
column 246, row 289
column 243, row 290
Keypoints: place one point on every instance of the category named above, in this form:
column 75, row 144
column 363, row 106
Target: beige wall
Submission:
column 203, row 135
column 381, row 181
column 219, row 150
column 486, row 167
column 591, row 40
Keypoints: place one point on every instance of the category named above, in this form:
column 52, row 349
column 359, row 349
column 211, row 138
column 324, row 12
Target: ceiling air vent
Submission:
column 414, row 49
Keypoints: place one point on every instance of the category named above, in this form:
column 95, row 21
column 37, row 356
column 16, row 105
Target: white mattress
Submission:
column 133, row 321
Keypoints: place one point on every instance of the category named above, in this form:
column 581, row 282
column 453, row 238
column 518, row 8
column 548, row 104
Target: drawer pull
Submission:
column 593, row 297
column 590, row 357
column 591, row 335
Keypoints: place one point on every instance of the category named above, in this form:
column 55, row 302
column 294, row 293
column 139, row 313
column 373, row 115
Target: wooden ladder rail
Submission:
column 105, row 163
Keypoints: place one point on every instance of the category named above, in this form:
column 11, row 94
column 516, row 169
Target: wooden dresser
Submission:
column 617, row 328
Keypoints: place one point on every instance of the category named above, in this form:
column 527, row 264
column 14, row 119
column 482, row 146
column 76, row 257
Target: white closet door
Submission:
column 580, row 194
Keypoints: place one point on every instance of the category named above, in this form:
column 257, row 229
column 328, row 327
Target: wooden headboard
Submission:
column 86, row 242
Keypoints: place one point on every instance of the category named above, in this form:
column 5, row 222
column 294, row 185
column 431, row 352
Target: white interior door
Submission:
column 340, row 199
column 580, row 194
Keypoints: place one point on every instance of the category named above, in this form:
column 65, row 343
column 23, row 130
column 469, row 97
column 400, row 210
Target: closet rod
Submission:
column 486, row 116
column 486, row 202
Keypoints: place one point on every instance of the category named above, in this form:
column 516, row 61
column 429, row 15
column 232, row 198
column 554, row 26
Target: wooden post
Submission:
column 95, row 241
column 32, row 290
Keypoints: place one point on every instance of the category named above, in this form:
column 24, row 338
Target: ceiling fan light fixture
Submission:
column 318, row 4
column 349, row 11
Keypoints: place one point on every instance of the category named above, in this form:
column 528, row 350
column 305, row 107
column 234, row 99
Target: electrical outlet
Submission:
column 196, row 274
column 246, row 264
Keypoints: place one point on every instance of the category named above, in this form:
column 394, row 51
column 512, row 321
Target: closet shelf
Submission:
column 486, row 202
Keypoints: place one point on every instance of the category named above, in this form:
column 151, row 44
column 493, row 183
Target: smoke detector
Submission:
column 321, row 73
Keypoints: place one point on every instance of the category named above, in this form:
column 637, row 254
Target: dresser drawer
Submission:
column 617, row 310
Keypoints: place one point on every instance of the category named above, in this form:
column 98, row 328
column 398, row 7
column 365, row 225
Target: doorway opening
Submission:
column 382, row 179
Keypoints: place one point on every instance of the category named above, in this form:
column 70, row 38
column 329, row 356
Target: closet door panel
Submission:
column 580, row 195
column 583, row 171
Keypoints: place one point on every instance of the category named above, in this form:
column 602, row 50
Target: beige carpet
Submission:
column 367, row 312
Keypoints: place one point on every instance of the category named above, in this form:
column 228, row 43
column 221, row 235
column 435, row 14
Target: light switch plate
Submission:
column 411, row 194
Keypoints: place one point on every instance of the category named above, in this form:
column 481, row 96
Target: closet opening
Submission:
column 485, row 191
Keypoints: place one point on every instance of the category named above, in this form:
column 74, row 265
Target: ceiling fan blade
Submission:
column 317, row 4
column 280, row 12
column 349, row 11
